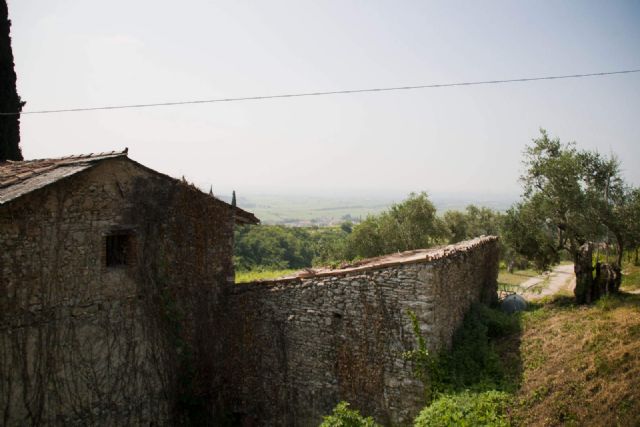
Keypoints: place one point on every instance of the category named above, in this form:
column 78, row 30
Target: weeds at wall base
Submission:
column 543, row 379
column 343, row 416
column 468, row 385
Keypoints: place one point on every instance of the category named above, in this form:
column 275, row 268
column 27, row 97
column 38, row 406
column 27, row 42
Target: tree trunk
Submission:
column 583, row 268
column 607, row 281
column 620, row 244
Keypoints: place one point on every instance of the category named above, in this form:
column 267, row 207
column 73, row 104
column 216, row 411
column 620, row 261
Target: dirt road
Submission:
column 561, row 278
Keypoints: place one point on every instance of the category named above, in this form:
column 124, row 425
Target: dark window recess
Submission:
column 118, row 247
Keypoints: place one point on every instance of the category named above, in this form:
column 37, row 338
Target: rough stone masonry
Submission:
column 118, row 307
column 301, row 345
column 112, row 281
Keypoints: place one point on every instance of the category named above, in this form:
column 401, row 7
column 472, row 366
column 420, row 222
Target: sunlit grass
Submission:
column 570, row 353
column 516, row 278
column 631, row 277
column 255, row 275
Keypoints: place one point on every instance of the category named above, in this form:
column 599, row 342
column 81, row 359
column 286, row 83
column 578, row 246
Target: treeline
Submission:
column 412, row 224
column 278, row 247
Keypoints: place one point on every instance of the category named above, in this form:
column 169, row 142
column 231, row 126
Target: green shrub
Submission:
column 499, row 324
column 472, row 362
column 342, row 416
column 466, row 409
column 469, row 380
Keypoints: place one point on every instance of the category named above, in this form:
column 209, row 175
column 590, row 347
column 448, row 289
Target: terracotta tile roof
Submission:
column 18, row 178
column 21, row 177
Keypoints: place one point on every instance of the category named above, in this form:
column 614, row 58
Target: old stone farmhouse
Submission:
column 110, row 279
column 118, row 307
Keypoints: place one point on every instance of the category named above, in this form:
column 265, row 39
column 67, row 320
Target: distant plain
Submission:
column 326, row 210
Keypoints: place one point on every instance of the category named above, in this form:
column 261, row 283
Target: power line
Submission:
column 305, row 94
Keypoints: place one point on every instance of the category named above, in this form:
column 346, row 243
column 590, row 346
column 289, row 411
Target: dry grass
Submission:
column 580, row 365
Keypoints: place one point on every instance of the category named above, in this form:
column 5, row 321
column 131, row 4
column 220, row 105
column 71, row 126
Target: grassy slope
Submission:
column 578, row 365
column 565, row 365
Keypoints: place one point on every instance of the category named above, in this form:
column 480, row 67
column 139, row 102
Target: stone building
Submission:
column 111, row 276
column 118, row 307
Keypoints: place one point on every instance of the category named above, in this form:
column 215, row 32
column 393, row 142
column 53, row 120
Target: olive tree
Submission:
column 572, row 199
column 412, row 224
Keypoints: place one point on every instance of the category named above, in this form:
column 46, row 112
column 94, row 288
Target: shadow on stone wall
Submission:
column 298, row 347
column 485, row 354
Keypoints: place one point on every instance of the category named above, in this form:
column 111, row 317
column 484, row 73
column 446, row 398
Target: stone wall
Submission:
column 299, row 346
column 85, row 344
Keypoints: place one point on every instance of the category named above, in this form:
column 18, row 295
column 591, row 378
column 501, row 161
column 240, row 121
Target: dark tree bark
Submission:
column 582, row 259
column 9, row 99
column 607, row 281
column 620, row 248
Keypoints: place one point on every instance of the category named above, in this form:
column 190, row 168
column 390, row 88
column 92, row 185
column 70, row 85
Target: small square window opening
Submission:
column 118, row 248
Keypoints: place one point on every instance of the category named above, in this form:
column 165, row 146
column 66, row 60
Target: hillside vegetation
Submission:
column 580, row 365
column 562, row 364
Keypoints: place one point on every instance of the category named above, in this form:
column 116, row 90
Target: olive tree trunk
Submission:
column 583, row 268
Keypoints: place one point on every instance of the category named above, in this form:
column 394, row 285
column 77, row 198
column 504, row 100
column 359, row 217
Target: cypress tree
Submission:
column 9, row 99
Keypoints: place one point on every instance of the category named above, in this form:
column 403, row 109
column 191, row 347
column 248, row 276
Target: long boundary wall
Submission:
column 297, row 347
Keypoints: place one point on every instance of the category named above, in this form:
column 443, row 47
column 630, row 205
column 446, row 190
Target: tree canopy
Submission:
column 472, row 222
column 412, row 224
column 572, row 199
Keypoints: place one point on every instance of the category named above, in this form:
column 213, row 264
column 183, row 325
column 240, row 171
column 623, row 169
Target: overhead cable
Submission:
column 306, row 94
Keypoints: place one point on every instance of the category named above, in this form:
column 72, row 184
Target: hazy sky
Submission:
column 465, row 139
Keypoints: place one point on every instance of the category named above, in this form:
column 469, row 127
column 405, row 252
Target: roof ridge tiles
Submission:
column 13, row 172
column 74, row 156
